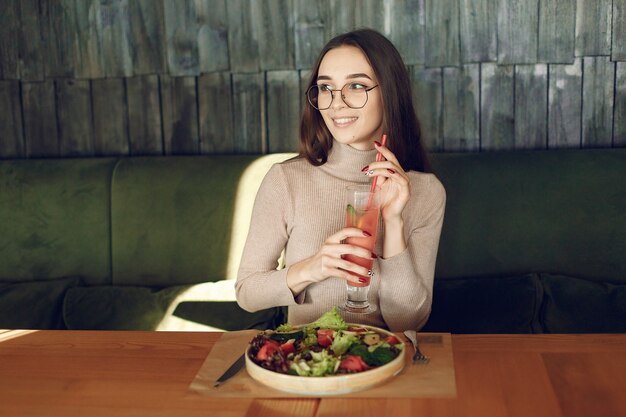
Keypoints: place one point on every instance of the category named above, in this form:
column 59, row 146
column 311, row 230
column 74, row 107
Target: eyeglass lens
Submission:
column 354, row 95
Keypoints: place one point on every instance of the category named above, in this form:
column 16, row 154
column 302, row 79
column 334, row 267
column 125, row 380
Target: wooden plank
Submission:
column 442, row 33
column 408, row 30
column 274, row 29
column 248, row 113
column 427, row 90
column 304, row 82
column 597, row 114
column 564, row 104
column 144, row 115
column 593, row 27
column 243, row 44
column 212, row 21
column 517, row 31
column 531, row 106
column 619, row 110
column 110, row 117
column 618, row 49
column 33, row 21
column 497, row 130
column 180, row 115
column 12, row 137
column 60, row 51
column 556, row 38
column 461, row 101
column 9, row 53
column 75, row 117
column 283, row 111
column 308, row 31
column 147, row 25
column 91, row 24
column 478, row 29
column 41, row 135
column 373, row 14
column 116, row 37
column 340, row 17
column 215, row 113
column 181, row 35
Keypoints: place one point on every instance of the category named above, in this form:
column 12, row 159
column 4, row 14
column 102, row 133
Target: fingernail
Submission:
column 365, row 168
column 374, row 255
column 391, row 170
column 377, row 143
column 366, row 233
column 362, row 280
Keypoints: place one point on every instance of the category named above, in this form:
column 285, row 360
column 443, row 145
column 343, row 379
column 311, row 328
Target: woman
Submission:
column 358, row 90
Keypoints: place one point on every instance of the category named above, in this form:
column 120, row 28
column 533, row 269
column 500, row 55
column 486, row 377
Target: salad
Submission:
column 328, row 346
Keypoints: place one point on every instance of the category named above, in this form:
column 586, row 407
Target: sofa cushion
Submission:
column 34, row 305
column 486, row 305
column 142, row 308
column 574, row 305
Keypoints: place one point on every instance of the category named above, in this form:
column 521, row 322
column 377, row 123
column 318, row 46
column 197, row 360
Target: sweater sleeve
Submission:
column 259, row 283
column 406, row 279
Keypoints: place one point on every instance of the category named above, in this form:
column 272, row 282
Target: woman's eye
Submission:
column 324, row 87
column 357, row 86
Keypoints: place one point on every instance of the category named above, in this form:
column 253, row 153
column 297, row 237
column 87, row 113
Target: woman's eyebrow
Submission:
column 357, row 75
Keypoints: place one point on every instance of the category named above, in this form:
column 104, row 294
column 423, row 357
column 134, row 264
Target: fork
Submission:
column 418, row 357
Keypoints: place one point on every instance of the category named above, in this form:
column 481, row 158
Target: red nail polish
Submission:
column 362, row 280
column 366, row 233
column 365, row 168
column 377, row 143
column 391, row 170
column 374, row 255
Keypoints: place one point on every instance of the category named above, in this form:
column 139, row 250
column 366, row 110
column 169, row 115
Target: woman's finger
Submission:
column 347, row 232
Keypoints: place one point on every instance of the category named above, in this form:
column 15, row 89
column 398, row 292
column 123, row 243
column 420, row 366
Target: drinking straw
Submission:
column 379, row 157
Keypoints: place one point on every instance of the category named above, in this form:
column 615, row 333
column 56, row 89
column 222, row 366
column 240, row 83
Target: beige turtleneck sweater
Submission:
column 299, row 205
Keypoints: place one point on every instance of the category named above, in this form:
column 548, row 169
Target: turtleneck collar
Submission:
column 346, row 162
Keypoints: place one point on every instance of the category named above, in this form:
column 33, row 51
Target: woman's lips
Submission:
column 344, row 121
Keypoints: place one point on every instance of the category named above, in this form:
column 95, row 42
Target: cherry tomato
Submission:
column 325, row 337
column 392, row 340
column 267, row 350
column 287, row 348
column 353, row 363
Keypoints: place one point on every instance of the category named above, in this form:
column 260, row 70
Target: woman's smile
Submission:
column 342, row 122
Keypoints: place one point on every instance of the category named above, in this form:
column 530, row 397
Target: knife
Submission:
column 232, row 371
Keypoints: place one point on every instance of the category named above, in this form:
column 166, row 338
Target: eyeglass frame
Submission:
column 343, row 98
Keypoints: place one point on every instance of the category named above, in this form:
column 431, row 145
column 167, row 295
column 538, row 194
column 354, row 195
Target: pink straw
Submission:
column 379, row 157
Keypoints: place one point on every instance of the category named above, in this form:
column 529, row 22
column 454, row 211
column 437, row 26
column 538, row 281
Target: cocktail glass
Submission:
column 362, row 211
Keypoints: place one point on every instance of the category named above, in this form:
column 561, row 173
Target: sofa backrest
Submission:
column 509, row 213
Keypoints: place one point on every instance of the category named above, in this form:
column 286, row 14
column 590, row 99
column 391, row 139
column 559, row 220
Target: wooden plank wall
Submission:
column 160, row 77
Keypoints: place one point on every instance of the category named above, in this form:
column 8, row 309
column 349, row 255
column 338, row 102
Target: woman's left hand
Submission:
column 393, row 181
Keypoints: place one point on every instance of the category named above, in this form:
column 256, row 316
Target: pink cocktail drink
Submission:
column 366, row 220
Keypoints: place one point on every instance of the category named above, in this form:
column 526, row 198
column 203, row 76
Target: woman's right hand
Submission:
column 328, row 262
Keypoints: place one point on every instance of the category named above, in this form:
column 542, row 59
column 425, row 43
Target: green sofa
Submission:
column 532, row 242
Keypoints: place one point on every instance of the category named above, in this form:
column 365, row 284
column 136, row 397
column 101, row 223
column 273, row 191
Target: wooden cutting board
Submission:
column 435, row 380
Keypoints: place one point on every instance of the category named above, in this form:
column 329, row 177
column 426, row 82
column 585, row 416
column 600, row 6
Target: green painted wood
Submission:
column 427, row 91
column 619, row 111
column 593, row 27
column 144, row 115
column 180, row 115
column 497, row 130
column 110, row 117
column 597, row 113
column 618, row 49
column 274, row 29
column 517, row 31
column 248, row 111
column 216, row 113
column 283, row 110
column 12, row 137
column 92, row 47
column 564, row 104
column 41, row 134
column 181, row 32
column 340, row 17
column 304, row 82
column 408, row 30
column 478, row 30
column 33, row 19
column 75, row 118
column 60, row 51
column 309, row 31
column 147, row 23
column 243, row 44
column 9, row 53
column 116, row 38
column 373, row 14
column 556, row 37
column 442, row 33
column 461, row 101
column 531, row 106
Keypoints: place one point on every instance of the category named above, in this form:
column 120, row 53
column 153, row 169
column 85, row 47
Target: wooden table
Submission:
column 96, row 373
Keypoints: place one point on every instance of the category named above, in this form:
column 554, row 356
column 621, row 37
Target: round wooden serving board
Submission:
column 328, row 385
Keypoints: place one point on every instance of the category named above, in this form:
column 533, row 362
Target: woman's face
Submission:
column 358, row 128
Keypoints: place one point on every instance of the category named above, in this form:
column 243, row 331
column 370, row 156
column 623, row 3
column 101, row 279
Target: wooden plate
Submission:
column 328, row 385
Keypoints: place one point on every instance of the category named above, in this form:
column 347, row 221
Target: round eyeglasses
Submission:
column 353, row 94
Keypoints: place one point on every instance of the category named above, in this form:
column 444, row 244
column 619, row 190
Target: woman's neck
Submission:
column 346, row 162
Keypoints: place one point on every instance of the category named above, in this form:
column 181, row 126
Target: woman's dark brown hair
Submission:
column 399, row 120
